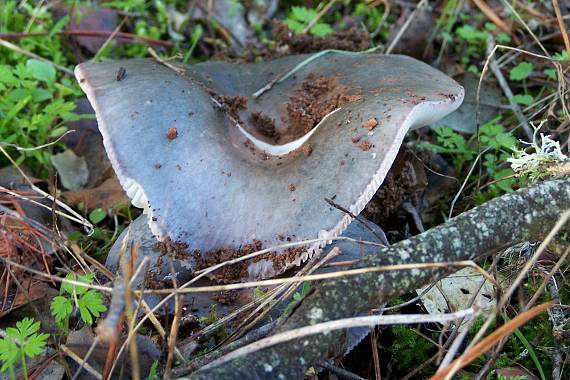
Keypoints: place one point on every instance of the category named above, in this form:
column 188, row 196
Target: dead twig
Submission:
column 562, row 26
column 90, row 33
column 18, row 49
column 323, row 12
column 506, row 89
column 342, row 373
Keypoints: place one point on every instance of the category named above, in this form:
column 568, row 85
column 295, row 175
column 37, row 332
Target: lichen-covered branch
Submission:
column 527, row 214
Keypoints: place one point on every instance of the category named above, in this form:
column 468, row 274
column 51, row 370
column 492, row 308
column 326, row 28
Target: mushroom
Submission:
column 246, row 172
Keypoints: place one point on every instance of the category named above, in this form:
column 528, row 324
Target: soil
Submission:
column 232, row 105
column 353, row 39
column 172, row 133
column 406, row 181
column 371, row 123
column 264, row 125
column 365, row 146
column 315, row 97
column 239, row 271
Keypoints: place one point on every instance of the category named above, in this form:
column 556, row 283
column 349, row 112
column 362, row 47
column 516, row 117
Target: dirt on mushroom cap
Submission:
column 315, row 97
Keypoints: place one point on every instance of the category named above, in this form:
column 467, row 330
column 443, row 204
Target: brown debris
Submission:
column 307, row 149
column 353, row 39
column 314, row 99
column 264, row 125
column 121, row 74
column 291, row 187
column 172, row 133
column 371, row 123
column 365, row 146
column 232, row 105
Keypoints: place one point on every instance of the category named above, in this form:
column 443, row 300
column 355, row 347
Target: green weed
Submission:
column 19, row 343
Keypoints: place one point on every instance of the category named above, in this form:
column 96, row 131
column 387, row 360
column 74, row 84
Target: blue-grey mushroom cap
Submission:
column 219, row 187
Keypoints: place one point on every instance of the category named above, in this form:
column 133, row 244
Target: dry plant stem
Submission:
column 86, row 358
column 490, row 13
column 526, row 214
column 375, row 356
column 405, row 27
column 558, row 319
column 547, row 278
column 560, row 223
column 109, row 39
column 562, row 26
column 326, row 276
column 80, row 361
column 130, row 314
column 175, row 324
column 18, row 49
column 201, row 361
column 506, row 89
column 340, row 324
column 89, row 33
column 342, row 373
column 323, row 11
column 528, row 29
column 73, row 215
column 491, row 340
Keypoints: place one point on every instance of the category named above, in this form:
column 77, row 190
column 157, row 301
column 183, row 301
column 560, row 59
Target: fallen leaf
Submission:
column 71, row 168
column 107, row 195
column 87, row 142
column 456, row 291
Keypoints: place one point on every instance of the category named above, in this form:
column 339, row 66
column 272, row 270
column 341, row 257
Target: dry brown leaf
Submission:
column 109, row 194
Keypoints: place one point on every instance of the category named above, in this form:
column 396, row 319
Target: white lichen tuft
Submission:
column 545, row 155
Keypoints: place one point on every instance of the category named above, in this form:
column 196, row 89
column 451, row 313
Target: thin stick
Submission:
column 562, row 26
column 358, row 219
column 89, row 33
column 505, row 87
column 323, row 11
column 285, row 75
column 130, row 315
column 547, row 278
column 110, row 38
column 367, row 321
column 404, row 27
column 342, row 373
column 18, row 49
column 375, row 355
column 87, row 356
column 507, row 295
column 322, row 276
column 80, row 361
column 490, row 13
column 177, row 70
column 175, row 324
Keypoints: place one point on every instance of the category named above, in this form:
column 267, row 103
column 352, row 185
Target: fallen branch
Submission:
column 528, row 214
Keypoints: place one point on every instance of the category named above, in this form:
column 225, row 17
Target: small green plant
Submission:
column 521, row 71
column 494, row 139
column 19, row 343
column 33, row 109
column 408, row 348
column 152, row 372
column 89, row 302
column 474, row 41
column 297, row 297
column 300, row 17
